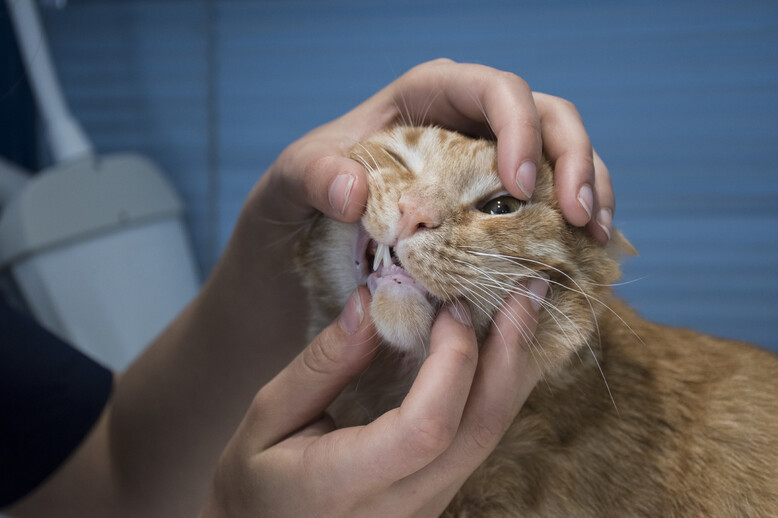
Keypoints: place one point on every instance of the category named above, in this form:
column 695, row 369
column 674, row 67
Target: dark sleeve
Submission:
column 51, row 395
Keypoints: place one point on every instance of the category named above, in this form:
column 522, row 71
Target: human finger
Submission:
column 315, row 173
column 601, row 224
column 569, row 149
column 302, row 391
column 316, row 170
column 406, row 439
column 317, row 428
column 506, row 374
column 478, row 99
column 504, row 379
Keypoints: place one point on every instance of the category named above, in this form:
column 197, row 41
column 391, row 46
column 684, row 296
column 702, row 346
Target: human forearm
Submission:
column 177, row 406
column 170, row 415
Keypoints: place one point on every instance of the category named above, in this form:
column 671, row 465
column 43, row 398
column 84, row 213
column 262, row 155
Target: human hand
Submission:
column 286, row 458
column 316, row 172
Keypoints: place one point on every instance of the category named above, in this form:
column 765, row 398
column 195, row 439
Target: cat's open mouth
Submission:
column 402, row 308
column 378, row 265
column 381, row 255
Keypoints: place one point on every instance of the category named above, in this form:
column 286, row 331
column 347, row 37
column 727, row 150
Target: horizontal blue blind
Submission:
column 136, row 76
column 680, row 98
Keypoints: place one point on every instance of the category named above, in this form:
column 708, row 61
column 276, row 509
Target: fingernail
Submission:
column 525, row 178
column 538, row 287
column 605, row 221
column 339, row 192
column 586, row 199
column 460, row 312
column 352, row 314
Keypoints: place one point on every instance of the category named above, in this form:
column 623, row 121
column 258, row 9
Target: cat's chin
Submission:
column 401, row 311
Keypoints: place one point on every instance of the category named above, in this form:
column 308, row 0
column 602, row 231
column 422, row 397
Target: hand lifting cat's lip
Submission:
column 377, row 265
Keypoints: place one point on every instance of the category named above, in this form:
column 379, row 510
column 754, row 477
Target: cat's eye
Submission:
column 504, row 204
column 396, row 157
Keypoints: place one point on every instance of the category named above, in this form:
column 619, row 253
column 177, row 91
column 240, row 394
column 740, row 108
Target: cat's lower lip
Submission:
column 394, row 278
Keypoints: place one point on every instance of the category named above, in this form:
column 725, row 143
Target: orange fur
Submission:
column 687, row 425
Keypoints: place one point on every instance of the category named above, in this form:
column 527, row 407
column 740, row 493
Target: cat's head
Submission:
column 440, row 226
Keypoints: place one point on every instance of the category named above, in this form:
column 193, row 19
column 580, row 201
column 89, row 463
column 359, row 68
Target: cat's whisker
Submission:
column 297, row 223
column 480, row 105
column 580, row 291
column 374, row 171
column 301, row 225
column 497, row 304
column 284, row 240
column 429, row 106
column 495, row 307
column 421, row 342
column 402, row 112
column 492, row 281
column 545, row 303
column 593, row 299
column 529, row 339
column 513, row 259
column 552, row 310
column 587, row 297
column 375, row 349
column 422, row 113
column 482, row 305
column 617, row 284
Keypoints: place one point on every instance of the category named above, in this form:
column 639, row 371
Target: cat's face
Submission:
column 440, row 226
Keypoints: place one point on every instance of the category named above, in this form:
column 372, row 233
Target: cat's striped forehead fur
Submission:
column 427, row 228
column 440, row 167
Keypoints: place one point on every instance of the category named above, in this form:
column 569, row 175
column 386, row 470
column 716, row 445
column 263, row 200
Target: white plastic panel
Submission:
column 111, row 295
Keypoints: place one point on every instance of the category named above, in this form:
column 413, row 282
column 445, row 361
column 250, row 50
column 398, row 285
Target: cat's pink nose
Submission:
column 414, row 215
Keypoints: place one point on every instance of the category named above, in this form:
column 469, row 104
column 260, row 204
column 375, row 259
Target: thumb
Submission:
column 331, row 183
column 346, row 189
column 302, row 391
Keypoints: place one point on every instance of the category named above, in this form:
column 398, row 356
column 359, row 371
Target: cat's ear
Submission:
column 618, row 247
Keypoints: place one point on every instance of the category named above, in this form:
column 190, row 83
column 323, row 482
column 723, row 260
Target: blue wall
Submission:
column 680, row 98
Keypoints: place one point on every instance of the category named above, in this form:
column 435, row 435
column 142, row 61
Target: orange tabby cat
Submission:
column 630, row 419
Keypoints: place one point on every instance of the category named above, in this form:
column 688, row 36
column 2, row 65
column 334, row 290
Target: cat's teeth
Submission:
column 387, row 256
column 383, row 255
column 378, row 258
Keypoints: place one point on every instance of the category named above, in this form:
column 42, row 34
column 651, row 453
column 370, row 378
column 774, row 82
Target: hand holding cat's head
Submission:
column 440, row 226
